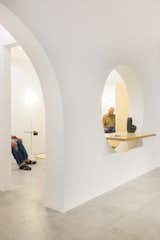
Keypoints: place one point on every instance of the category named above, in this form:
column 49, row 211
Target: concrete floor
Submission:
column 131, row 212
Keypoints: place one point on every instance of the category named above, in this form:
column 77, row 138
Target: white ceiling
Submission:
column 5, row 37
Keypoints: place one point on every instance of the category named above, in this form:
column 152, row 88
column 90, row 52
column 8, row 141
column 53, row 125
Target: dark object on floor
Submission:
column 130, row 127
column 25, row 167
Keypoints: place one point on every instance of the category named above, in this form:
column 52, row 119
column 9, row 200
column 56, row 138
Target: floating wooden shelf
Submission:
column 128, row 136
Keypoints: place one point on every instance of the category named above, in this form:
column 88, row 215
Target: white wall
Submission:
column 84, row 41
column 27, row 106
column 5, row 37
column 5, row 153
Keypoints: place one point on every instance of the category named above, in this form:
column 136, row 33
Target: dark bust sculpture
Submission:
column 130, row 127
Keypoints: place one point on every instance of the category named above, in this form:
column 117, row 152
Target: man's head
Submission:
column 111, row 111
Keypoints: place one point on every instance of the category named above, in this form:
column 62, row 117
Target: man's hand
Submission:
column 17, row 139
column 13, row 144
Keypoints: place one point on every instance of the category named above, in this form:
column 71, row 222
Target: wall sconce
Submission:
column 31, row 98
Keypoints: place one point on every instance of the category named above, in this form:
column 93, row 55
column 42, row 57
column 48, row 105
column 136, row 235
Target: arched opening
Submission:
column 53, row 106
column 28, row 124
column 115, row 95
column 122, row 92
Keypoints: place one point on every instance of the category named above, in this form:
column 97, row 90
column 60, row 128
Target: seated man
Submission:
column 109, row 121
column 20, row 154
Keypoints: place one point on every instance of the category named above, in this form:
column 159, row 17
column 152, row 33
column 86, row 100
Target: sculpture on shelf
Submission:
column 130, row 127
column 35, row 133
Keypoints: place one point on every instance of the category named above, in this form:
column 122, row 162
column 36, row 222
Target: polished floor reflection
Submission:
column 130, row 212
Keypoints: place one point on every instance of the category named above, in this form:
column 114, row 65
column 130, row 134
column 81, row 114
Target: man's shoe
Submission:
column 30, row 162
column 25, row 167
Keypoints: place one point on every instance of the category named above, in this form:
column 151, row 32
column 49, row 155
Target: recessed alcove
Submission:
column 122, row 91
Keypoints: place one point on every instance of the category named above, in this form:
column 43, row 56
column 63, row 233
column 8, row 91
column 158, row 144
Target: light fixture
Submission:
column 31, row 98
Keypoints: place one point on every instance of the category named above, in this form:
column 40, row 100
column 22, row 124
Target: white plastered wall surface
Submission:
column 85, row 41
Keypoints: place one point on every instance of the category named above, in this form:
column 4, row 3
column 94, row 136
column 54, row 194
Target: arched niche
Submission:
column 123, row 91
column 53, row 105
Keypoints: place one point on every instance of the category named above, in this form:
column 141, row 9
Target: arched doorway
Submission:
column 53, row 106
